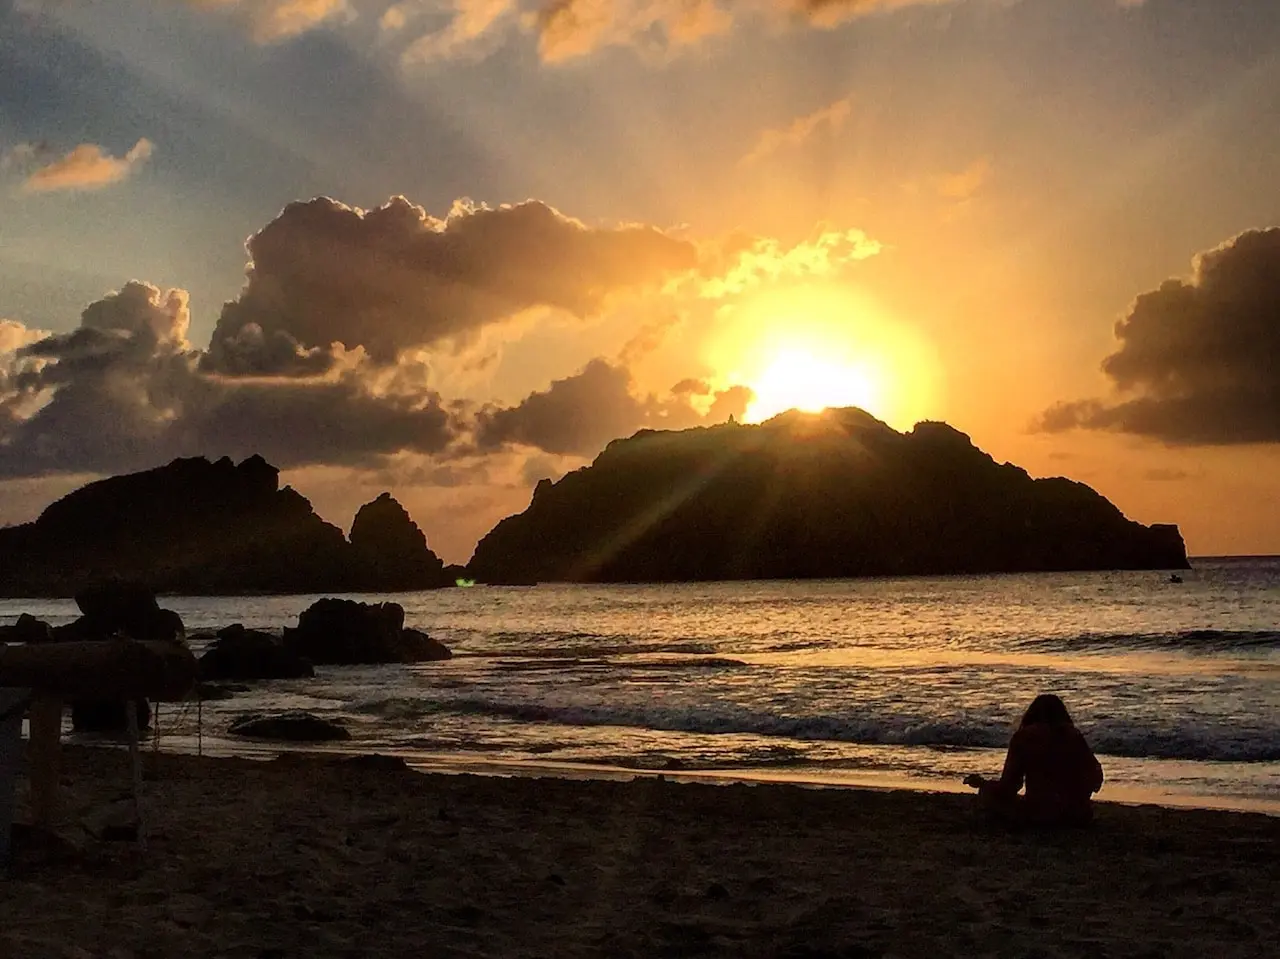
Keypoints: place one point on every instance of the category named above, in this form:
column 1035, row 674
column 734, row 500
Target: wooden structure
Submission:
column 58, row 672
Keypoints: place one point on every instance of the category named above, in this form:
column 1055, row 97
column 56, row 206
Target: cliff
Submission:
column 201, row 527
column 800, row 496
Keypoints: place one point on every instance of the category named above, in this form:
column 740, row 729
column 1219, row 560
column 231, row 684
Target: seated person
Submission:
column 1050, row 756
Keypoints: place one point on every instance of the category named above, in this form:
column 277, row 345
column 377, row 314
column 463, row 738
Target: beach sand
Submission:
column 323, row 858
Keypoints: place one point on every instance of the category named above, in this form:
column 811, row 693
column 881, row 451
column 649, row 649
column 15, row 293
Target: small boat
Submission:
column 1175, row 578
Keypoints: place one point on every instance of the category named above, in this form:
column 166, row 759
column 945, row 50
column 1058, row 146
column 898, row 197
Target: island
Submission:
column 836, row 494
column 201, row 527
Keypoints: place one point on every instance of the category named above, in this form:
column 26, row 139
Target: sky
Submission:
column 447, row 248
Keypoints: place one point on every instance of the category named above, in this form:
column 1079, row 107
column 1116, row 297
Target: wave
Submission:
column 1189, row 640
column 602, row 646
column 1206, row 742
column 513, row 664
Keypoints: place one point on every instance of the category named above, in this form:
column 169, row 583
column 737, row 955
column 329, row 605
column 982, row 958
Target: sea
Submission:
column 910, row 682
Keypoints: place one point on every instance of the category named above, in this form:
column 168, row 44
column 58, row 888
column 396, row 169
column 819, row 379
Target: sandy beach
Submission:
column 331, row 858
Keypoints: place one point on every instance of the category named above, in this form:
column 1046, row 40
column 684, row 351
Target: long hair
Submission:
column 1049, row 709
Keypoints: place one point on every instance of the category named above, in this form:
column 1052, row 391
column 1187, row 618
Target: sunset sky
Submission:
column 487, row 236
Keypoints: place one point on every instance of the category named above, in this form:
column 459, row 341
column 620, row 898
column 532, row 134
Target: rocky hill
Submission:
column 831, row 495
column 201, row 527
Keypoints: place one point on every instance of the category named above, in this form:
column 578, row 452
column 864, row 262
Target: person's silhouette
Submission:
column 1051, row 757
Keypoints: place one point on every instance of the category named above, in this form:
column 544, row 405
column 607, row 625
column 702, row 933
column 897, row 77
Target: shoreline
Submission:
column 328, row 858
column 455, row 764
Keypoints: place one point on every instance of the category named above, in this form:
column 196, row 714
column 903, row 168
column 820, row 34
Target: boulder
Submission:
column 240, row 653
column 345, row 632
column 293, row 726
column 27, row 629
column 417, row 647
column 106, row 715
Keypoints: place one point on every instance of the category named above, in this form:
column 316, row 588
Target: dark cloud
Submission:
column 125, row 390
column 324, row 273
column 311, row 365
column 579, row 414
column 695, row 387
column 1199, row 360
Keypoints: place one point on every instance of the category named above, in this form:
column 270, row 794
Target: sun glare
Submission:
column 823, row 346
column 797, row 380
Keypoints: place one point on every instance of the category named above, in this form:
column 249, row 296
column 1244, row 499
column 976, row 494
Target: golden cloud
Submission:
column 87, row 167
column 828, row 119
column 269, row 21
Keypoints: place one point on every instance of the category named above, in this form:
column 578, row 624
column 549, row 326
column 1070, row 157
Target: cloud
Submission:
column 964, row 184
column 15, row 335
column 562, row 30
column 395, row 277
column 567, row 29
column 580, row 414
column 745, row 263
column 827, row 120
column 693, row 387
column 86, row 167
column 1199, row 359
column 472, row 29
column 124, row 391
column 269, row 21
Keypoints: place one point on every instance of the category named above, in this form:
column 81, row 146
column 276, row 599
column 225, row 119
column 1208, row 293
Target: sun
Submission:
column 796, row 379
column 820, row 346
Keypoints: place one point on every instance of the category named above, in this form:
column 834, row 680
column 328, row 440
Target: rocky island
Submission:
column 198, row 527
column 836, row 494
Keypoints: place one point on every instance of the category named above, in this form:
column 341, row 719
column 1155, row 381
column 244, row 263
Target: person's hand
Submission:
column 974, row 781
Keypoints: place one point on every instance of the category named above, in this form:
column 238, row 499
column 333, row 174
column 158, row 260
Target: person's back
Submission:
column 1051, row 758
column 1058, row 768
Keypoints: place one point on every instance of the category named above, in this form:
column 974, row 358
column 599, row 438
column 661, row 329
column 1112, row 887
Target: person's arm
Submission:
column 1095, row 780
column 1013, row 774
column 1015, row 767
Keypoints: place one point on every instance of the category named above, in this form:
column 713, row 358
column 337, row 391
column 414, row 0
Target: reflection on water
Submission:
column 1176, row 685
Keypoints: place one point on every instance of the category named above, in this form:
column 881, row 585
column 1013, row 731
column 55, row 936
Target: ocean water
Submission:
column 895, row 681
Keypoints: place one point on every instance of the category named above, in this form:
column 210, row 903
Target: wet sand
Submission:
column 321, row 858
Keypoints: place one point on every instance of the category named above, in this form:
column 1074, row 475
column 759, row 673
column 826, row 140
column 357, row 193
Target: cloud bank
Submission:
column 1199, row 359
column 323, row 273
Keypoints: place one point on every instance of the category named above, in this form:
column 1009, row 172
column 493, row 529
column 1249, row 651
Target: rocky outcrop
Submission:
column 345, row 632
column 390, row 550
column 250, row 654
column 830, row 495
column 293, row 726
column 197, row 527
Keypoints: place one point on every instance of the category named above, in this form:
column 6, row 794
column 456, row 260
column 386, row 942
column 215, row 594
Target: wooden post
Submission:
column 135, row 764
column 45, row 745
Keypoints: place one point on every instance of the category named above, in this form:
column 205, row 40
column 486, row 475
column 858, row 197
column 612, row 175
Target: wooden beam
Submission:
column 107, row 669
